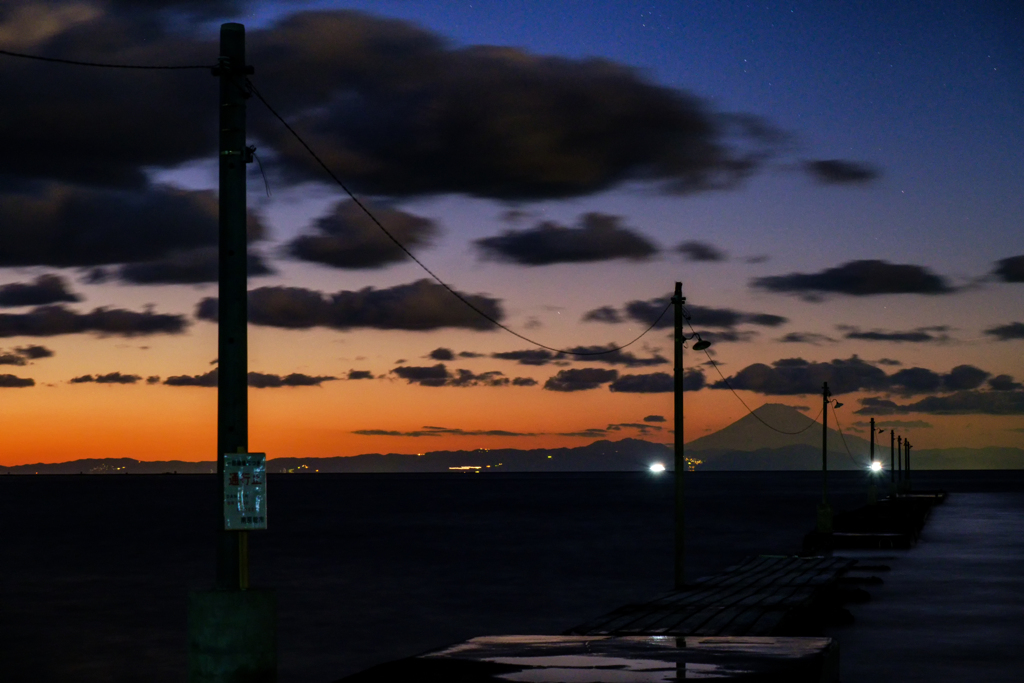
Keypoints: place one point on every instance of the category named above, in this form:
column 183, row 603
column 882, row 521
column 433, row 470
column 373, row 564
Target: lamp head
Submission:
column 837, row 405
column 701, row 344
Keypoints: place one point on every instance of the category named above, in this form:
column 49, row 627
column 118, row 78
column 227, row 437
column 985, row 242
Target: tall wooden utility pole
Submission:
column 906, row 446
column 232, row 633
column 824, row 511
column 680, row 457
column 899, row 460
column 892, row 462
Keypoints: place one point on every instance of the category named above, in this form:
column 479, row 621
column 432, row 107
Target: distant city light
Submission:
column 876, row 466
column 657, row 468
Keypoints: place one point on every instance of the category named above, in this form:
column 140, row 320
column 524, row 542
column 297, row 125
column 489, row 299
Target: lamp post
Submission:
column 680, row 456
column 824, row 509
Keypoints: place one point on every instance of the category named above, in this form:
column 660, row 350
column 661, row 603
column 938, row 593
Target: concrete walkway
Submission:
column 952, row 608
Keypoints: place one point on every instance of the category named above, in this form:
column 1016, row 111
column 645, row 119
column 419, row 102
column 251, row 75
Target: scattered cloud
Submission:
column 1007, row 332
column 580, row 379
column 441, row 431
column 262, row 380
column 839, row 172
column 524, row 382
column 153, row 379
column 599, row 237
column 654, row 418
column 13, row 382
column 527, row 356
column 441, row 353
column 657, row 382
column 420, row 305
column 647, row 312
column 34, row 351
column 1010, row 269
column 359, row 374
column 432, row 376
column 858, row 278
column 812, row 338
column 109, row 378
column 934, row 333
column 888, row 361
column 207, row 379
column 603, row 314
column 701, row 251
column 1004, row 383
column 348, row 238
column 46, row 289
column 48, row 321
column 439, row 376
column 612, row 356
column 194, row 266
column 12, row 359
column 959, row 403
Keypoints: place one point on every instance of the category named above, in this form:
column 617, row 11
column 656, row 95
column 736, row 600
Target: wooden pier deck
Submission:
column 768, row 595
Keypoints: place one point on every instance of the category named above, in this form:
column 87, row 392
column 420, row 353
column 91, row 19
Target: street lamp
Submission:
column 824, row 509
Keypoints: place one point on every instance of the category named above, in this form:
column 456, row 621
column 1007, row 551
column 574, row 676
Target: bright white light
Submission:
column 876, row 466
column 657, row 467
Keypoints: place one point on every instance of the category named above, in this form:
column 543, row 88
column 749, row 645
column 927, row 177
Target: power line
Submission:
column 840, row 428
column 740, row 399
column 422, row 265
column 103, row 65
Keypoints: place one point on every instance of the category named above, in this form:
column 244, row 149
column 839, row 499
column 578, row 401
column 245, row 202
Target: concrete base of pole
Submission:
column 824, row 518
column 232, row 636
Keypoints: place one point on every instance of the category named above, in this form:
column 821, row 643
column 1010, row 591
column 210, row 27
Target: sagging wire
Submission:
column 103, row 65
column 839, row 427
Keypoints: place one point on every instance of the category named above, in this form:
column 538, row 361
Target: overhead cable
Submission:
column 75, row 62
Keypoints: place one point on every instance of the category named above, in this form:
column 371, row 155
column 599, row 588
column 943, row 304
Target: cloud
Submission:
column 261, row 380
column 657, row 382
column 591, row 433
column 109, row 378
column 580, row 379
column 13, row 382
column 605, row 354
column 603, row 314
column 439, row 376
column 654, row 418
column 441, row 431
column 839, row 172
column 34, row 351
column 599, row 237
column 47, row 289
column 12, row 359
column 524, row 382
column 153, row 379
column 964, row 377
column 644, row 429
column 1004, row 383
column 792, row 376
column 348, row 238
column 1010, row 269
column 65, row 226
column 1007, row 332
column 442, row 354
column 398, row 111
column 888, row 361
column 207, row 379
column 700, row 251
column 917, row 335
column 48, row 321
column 527, row 356
column 859, row 278
column 193, row 266
column 646, row 312
column 812, row 338
column 433, row 376
column 359, row 374
column 421, row 305
column 959, row 403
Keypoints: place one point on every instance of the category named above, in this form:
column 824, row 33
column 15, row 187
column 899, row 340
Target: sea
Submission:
column 95, row 570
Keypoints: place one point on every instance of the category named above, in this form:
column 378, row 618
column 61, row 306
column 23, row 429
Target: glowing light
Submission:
column 657, row 468
column 876, row 466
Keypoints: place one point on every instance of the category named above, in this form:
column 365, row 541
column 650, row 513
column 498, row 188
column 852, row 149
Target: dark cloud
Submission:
column 839, row 172
column 959, row 403
column 935, row 333
column 1004, row 383
column 466, row 378
column 47, row 289
column 48, row 321
column 812, row 338
column 580, row 379
column 360, row 374
column 397, row 111
column 442, row 354
column 153, row 379
column 603, row 314
column 700, row 251
column 207, row 379
column 599, row 237
column 1010, row 269
column 34, row 351
column 606, row 354
column 421, row 305
column 12, row 359
column 261, row 380
column 109, row 378
column 897, row 424
column 888, row 361
column 915, row 381
column 646, row 312
column 859, row 278
column 657, row 382
column 524, row 382
column 642, row 428
column 470, row 354
column 72, row 226
column 964, row 377
column 194, row 266
column 1007, row 332
column 432, row 376
column 441, row 431
column 591, row 433
column 527, row 356
column 13, row 382
column 439, row 376
column 793, row 376
column 348, row 238
column 654, row 418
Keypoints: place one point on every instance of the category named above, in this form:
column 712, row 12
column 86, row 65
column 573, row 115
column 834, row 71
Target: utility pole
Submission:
column 892, row 462
column 906, row 445
column 873, row 488
column 680, row 458
column 232, row 629
column 899, row 459
column 824, row 511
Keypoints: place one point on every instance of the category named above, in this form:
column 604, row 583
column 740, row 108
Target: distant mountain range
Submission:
column 746, row 444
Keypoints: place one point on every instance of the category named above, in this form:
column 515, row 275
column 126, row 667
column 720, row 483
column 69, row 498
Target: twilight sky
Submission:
column 838, row 189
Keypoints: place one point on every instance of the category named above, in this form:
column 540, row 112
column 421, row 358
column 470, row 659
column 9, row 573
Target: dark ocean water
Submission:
column 95, row 570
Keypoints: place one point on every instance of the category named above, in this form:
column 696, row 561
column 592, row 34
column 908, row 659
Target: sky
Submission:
column 837, row 187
